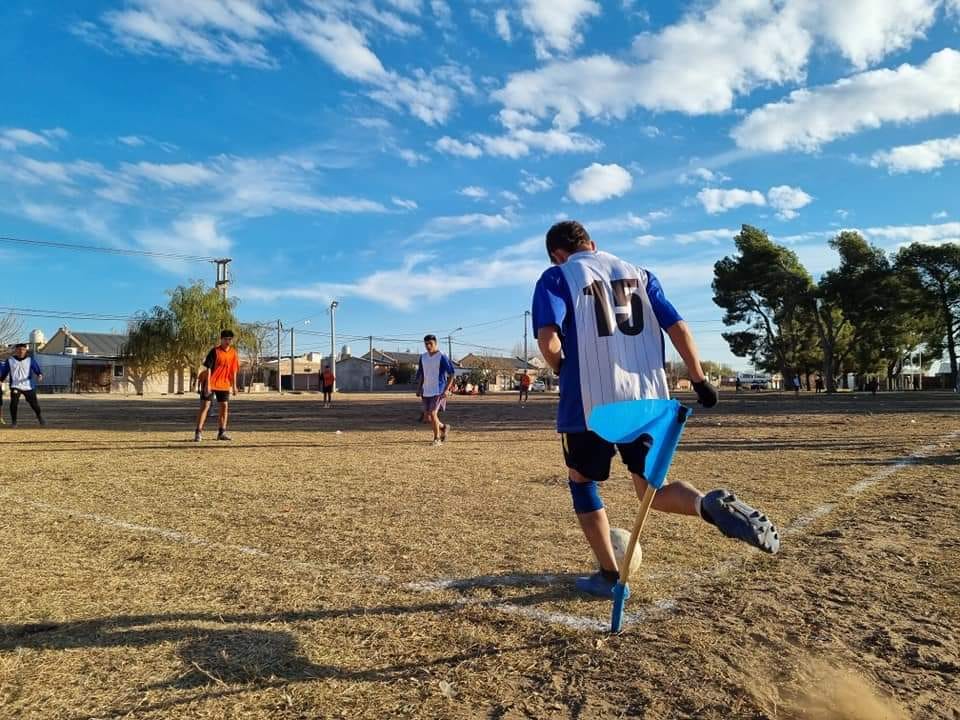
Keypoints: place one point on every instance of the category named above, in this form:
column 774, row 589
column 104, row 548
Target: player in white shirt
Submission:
column 435, row 375
column 599, row 322
column 21, row 368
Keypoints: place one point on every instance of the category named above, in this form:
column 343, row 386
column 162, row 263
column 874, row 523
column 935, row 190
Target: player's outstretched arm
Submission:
column 682, row 340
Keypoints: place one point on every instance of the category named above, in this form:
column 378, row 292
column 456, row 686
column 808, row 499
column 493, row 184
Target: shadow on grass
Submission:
column 222, row 656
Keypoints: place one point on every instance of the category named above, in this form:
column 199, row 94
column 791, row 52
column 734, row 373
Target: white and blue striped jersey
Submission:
column 609, row 314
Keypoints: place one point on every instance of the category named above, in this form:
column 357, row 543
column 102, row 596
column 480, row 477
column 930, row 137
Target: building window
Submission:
column 118, row 371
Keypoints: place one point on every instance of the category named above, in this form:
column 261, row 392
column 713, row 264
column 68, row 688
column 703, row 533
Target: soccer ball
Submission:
column 620, row 538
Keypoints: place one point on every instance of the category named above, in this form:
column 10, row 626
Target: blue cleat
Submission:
column 598, row 586
column 735, row 519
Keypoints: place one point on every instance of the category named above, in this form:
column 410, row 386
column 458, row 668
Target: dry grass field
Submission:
column 331, row 563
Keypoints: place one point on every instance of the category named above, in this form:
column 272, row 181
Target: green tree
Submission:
column 256, row 340
column 200, row 313
column 934, row 272
column 148, row 347
column 181, row 334
column 765, row 287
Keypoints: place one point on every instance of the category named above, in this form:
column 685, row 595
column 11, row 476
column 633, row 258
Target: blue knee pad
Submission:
column 586, row 497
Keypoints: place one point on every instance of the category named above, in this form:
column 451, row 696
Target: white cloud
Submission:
column 37, row 172
column 619, row 223
column 646, row 240
column 172, row 174
column 904, row 234
column 502, row 22
column 222, row 32
column 843, row 213
column 922, row 157
column 412, row 157
column 448, row 226
column 228, row 32
column 711, row 237
column 597, row 183
column 509, row 196
column 703, row 174
column 787, row 200
column 132, row 140
column 12, row 138
column 415, row 281
column 67, row 218
column 196, row 235
column 808, row 119
column 556, row 24
column 717, row 200
column 405, row 204
column 531, row 184
column 519, row 142
column 452, row 146
column 473, row 192
column 865, row 31
column 691, row 66
column 694, row 67
column 943, row 214
column 651, row 131
column 337, row 42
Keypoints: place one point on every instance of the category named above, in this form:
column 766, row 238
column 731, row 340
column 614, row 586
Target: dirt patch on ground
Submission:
column 301, row 573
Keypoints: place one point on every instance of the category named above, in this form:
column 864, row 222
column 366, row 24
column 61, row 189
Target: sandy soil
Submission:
column 301, row 573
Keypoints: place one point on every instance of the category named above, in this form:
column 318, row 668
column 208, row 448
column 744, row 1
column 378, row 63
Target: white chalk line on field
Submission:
column 577, row 622
column 665, row 605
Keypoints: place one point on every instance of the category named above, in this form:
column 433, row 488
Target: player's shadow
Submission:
column 224, row 654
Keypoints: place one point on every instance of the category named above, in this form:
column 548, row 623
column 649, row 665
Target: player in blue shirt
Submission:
column 21, row 368
column 599, row 322
column 435, row 375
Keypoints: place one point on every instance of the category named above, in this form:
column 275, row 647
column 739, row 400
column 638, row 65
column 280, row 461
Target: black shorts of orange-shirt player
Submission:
column 591, row 455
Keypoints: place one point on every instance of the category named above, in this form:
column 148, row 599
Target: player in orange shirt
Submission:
column 218, row 378
column 327, row 379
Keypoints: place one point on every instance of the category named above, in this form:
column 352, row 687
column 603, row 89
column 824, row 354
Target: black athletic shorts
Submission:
column 221, row 395
column 328, row 389
column 590, row 455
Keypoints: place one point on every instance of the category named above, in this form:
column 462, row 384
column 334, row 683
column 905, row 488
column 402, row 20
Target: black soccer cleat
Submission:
column 735, row 519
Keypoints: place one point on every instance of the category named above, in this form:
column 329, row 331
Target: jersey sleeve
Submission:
column 549, row 307
column 211, row 360
column 4, row 369
column 447, row 367
column 666, row 313
column 35, row 366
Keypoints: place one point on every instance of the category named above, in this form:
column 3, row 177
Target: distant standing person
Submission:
column 435, row 375
column 218, row 379
column 525, row 383
column 796, row 384
column 21, row 369
column 737, row 384
column 327, row 378
column 819, row 384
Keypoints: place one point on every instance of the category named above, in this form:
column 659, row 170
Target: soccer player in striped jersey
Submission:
column 599, row 323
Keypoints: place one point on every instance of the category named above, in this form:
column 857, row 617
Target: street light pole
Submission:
column 279, row 367
column 333, row 342
column 526, row 355
column 450, row 342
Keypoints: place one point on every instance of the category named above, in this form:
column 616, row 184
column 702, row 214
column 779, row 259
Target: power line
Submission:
column 108, row 250
column 63, row 314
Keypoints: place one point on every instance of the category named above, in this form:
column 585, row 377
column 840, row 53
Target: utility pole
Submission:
column 526, row 355
column 371, row 363
column 450, row 342
column 279, row 367
column 333, row 342
column 223, row 276
column 293, row 370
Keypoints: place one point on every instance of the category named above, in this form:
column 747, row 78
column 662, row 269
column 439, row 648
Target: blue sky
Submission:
column 405, row 157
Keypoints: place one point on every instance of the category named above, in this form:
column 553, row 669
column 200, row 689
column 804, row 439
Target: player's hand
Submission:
column 706, row 393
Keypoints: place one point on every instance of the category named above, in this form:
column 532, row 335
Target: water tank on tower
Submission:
column 345, row 351
column 37, row 339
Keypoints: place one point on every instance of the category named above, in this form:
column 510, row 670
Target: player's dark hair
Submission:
column 226, row 333
column 429, row 338
column 20, row 345
column 567, row 235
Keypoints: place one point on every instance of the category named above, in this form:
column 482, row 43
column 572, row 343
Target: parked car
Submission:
column 539, row 386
